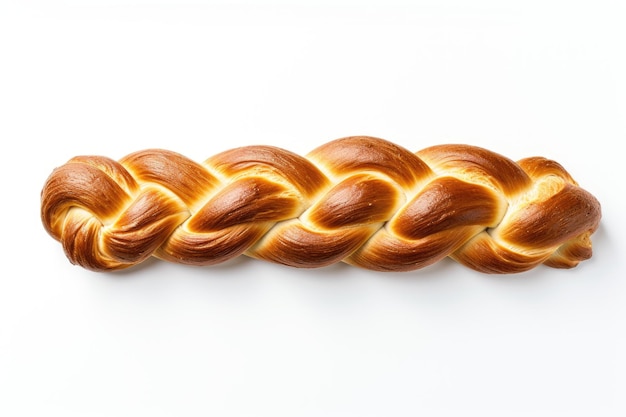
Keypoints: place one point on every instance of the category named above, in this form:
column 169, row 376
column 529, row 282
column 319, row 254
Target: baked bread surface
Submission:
column 361, row 200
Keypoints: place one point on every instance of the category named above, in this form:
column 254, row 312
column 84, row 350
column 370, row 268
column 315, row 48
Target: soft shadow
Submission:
column 156, row 265
column 135, row 269
column 441, row 270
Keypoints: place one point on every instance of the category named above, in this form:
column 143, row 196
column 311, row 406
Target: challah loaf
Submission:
column 361, row 200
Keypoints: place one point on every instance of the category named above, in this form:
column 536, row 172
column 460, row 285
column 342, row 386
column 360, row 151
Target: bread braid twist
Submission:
column 361, row 200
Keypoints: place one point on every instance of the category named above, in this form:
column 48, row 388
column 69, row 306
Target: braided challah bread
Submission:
column 361, row 200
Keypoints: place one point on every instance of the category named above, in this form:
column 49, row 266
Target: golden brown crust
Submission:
column 361, row 200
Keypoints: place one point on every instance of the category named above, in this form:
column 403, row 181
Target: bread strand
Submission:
column 360, row 200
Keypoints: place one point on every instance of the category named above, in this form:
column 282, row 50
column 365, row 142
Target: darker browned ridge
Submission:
column 361, row 200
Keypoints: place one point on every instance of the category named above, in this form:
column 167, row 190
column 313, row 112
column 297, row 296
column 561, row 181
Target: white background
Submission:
column 249, row 338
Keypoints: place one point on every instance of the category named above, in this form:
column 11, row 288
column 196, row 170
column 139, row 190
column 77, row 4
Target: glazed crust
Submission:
column 360, row 200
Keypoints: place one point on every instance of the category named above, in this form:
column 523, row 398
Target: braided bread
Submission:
column 361, row 200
